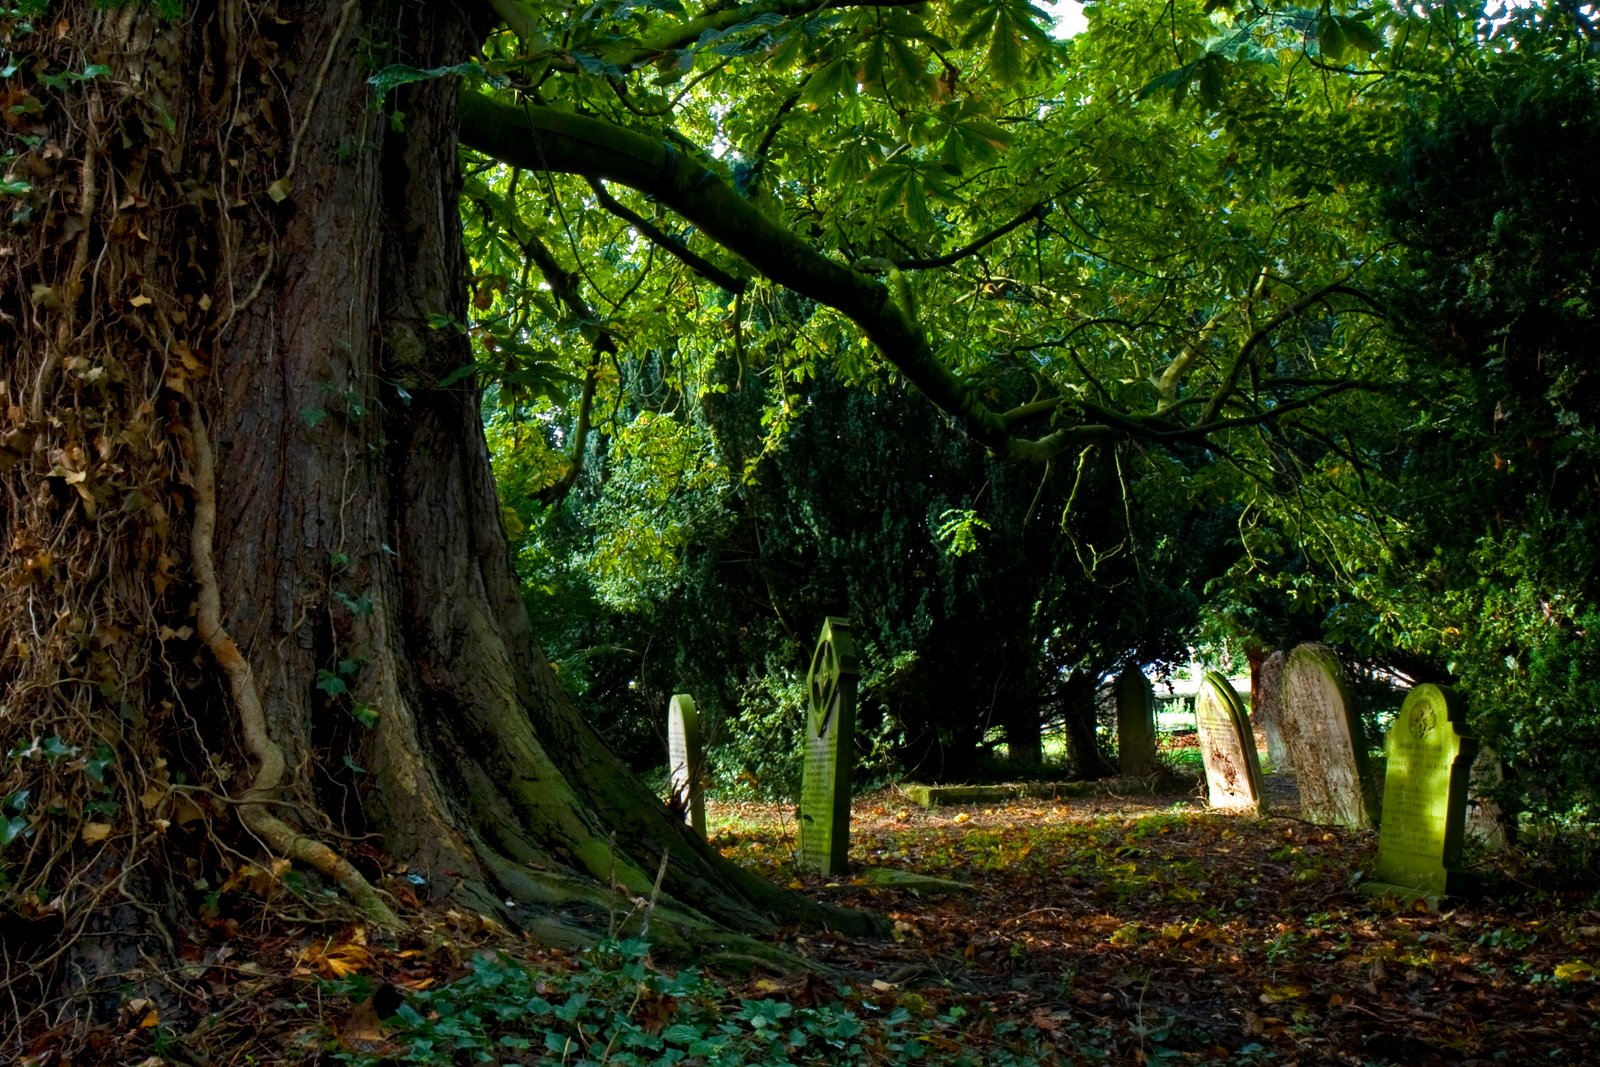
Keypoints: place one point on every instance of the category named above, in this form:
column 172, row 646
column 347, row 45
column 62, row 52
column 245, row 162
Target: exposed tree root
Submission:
column 252, row 719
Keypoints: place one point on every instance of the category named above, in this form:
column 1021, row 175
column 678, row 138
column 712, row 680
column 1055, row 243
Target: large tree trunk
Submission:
column 228, row 240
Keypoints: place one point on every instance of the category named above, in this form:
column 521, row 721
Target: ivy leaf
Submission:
column 331, row 683
column 395, row 75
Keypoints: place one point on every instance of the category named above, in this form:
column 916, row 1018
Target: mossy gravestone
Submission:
column 1425, row 794
column 1326, row 747
column 1233, row 771
column 685, row 759
column 830, row 751
column 1136, row 723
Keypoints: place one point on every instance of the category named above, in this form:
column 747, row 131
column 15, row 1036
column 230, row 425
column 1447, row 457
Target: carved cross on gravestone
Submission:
column 829, row 751
column 686, row 761
column 1233, row 771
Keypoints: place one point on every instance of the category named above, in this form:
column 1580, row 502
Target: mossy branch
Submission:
column 542, row 138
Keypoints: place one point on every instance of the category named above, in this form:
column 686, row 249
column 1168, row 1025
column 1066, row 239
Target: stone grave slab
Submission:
column 686, row 761
column 829, row 751
column 1136, row 723
column 1233, row 771
column 1425, row 795
column 1326, row 746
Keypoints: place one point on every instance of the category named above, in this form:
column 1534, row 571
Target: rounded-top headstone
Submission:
column 1425, row 792
column 1233, row 771
column 1325, row 743
column 1267, row 715
column 1136, row 722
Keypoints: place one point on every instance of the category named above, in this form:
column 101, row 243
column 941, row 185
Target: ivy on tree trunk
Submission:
column 227, row 230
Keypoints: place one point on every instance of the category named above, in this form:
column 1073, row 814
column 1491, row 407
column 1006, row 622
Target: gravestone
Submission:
column 1327, row 748
column 1267, row 713
column 1233, row 771
column 1136, row 723
column 685, row 760
column 830, row 751
column 1488, row 824
column 1425, row 794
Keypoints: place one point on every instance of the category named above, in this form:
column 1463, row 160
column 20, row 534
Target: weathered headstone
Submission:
column 1233, row 771
column 1267, row 712
column 1136, row 722
column 830, row 751
column 1326, row 746
column 685, row 759
column 1488, row 824
column 1425, row 794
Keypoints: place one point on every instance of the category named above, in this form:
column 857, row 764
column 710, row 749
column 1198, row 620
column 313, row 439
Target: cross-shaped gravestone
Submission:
column 1425, row 793
column 829, row 751
column 1233, row 771
column 1136, row 722
column 1327, row 747
column 685, row 760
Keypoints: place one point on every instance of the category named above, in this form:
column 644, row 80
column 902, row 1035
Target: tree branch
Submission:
column 671, row 245
column 521, row 21
column 564, row 284
column 542, row 138
column 1259, row 335
column 934, row 262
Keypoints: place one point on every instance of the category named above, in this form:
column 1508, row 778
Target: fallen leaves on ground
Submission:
column 1146, row 930
column 1096, row 930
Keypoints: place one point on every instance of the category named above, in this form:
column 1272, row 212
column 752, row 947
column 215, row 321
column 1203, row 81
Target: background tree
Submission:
column 970, row 632
column 1101, row 281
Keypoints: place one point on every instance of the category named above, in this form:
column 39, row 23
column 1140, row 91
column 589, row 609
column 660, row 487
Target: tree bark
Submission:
column 1081, row 714
column 226, row 235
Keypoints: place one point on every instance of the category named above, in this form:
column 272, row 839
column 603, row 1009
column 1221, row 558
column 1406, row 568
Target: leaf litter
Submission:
column 1089, row 930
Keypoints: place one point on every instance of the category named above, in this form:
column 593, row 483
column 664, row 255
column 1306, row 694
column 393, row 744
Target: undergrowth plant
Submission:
column 615, row 1008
